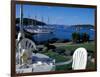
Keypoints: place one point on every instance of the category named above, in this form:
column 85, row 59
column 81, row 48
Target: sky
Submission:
column 58, row 15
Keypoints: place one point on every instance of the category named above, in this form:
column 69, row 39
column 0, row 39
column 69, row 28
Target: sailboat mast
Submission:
column 20, row 34
column 21, row 17
column 48, row 20
column 42, row 21
column 32, row 21
column 28, row 20
column 21, row 20
column 35, row 20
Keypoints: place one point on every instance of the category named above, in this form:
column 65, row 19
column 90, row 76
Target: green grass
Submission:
column 90, row 65
column 89, row 46
column 72, row 47
column 64, row 67
column 56, row 56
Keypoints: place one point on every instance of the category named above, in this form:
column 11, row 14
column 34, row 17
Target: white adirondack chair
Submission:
column 26, row 46
column 79, row 59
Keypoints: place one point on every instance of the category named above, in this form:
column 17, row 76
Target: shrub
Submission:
column 85, row 37
column 75, row 37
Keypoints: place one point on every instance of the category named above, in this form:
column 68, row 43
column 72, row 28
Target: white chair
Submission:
column 26, row 45
column 79, row 59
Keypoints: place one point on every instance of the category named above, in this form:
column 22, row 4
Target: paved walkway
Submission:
column 63, row 63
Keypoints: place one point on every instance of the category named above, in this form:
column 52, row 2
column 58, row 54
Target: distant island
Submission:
column 84, row 26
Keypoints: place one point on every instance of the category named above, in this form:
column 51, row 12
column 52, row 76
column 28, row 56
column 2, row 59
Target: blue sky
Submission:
column 58, row 15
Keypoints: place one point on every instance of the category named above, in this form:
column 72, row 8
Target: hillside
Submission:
column 84, row 26
column 27, row 21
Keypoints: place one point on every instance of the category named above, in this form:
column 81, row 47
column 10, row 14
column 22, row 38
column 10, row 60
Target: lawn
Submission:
column 64, row 67
column 56, row 56
column 89, row 46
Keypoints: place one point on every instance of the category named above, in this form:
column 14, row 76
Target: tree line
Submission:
column 77, row 37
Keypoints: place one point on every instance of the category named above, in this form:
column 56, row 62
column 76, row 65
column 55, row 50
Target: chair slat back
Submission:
column 79, row 59
column 27, row 44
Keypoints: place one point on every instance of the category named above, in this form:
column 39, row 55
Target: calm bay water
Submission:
column 62, row 33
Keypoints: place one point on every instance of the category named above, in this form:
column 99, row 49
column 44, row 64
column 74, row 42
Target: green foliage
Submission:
column 75, row 37
column 85, row 37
